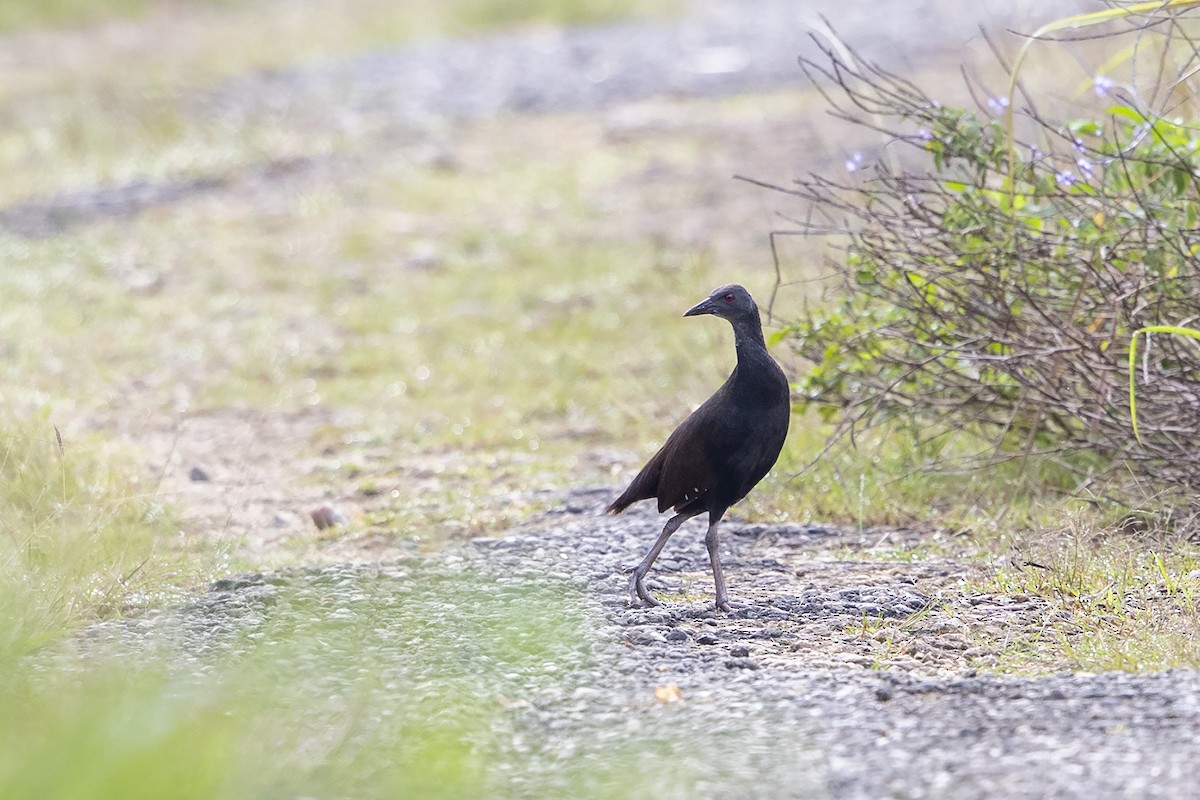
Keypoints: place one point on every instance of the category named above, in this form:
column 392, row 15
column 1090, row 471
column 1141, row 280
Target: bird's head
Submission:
column 731, row 302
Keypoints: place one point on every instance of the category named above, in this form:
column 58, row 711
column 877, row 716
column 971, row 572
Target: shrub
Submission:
column 993, row 288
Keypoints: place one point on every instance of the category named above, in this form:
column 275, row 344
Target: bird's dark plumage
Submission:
column 720, row 452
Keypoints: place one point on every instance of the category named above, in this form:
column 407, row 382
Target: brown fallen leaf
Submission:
column 668, row 694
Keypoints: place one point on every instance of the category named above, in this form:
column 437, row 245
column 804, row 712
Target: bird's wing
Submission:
column 690, row 468
column 722, row 448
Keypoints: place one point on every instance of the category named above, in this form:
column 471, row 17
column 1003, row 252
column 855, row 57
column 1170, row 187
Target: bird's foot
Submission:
column 728, row 606
column 639, row 592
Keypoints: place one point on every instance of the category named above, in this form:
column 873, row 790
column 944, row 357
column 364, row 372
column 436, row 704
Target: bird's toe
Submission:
column 639, row 594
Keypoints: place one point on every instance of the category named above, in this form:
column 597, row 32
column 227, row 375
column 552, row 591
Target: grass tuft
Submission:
column 1124, row 601
column 79, row 542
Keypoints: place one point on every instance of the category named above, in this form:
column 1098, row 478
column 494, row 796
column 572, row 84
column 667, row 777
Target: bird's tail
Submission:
column 642, row 487
column 618, row 505
column 633, row 493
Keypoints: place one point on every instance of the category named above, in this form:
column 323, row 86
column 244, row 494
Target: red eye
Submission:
column 729, row 297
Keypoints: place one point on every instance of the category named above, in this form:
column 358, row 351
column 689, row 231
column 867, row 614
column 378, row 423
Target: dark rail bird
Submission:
column 719, row 453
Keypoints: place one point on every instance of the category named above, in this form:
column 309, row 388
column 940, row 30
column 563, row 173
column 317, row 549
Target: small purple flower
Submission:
column 1035, row 152
column 997, row 103
column 1064, row 178
column 924, row 135
column 1085, row 167
column 854, row 162
column 1079, row 145
column 1102, row 85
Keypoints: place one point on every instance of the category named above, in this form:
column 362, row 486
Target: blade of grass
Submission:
column 1172, row 329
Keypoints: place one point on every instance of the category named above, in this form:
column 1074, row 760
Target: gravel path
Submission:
column 775, row 701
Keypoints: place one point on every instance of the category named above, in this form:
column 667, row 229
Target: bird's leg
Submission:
column 637, row 589
column 712, row 541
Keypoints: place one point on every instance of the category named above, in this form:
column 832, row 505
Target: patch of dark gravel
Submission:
column 779, row 699
column 43, row 218
column 48, row 217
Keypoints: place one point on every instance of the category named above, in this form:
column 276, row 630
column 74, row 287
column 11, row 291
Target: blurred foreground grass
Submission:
column 414, row 683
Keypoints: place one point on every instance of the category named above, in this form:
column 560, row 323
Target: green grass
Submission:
column 883, row 478
column 80, row 541
column 321, row 299
column 461, row 15
column 19, row 14
column 1129, row 598
column 498, row 13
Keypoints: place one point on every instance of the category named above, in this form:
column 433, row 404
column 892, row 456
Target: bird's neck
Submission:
column 756, row 380
column 748, row 339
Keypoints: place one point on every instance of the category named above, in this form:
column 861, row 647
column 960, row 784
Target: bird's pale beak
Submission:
column 705, row 306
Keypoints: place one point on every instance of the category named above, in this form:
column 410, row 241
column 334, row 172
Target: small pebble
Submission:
column 739, row 651
column 198, row 475
column 643, row 636
column 326, row 517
